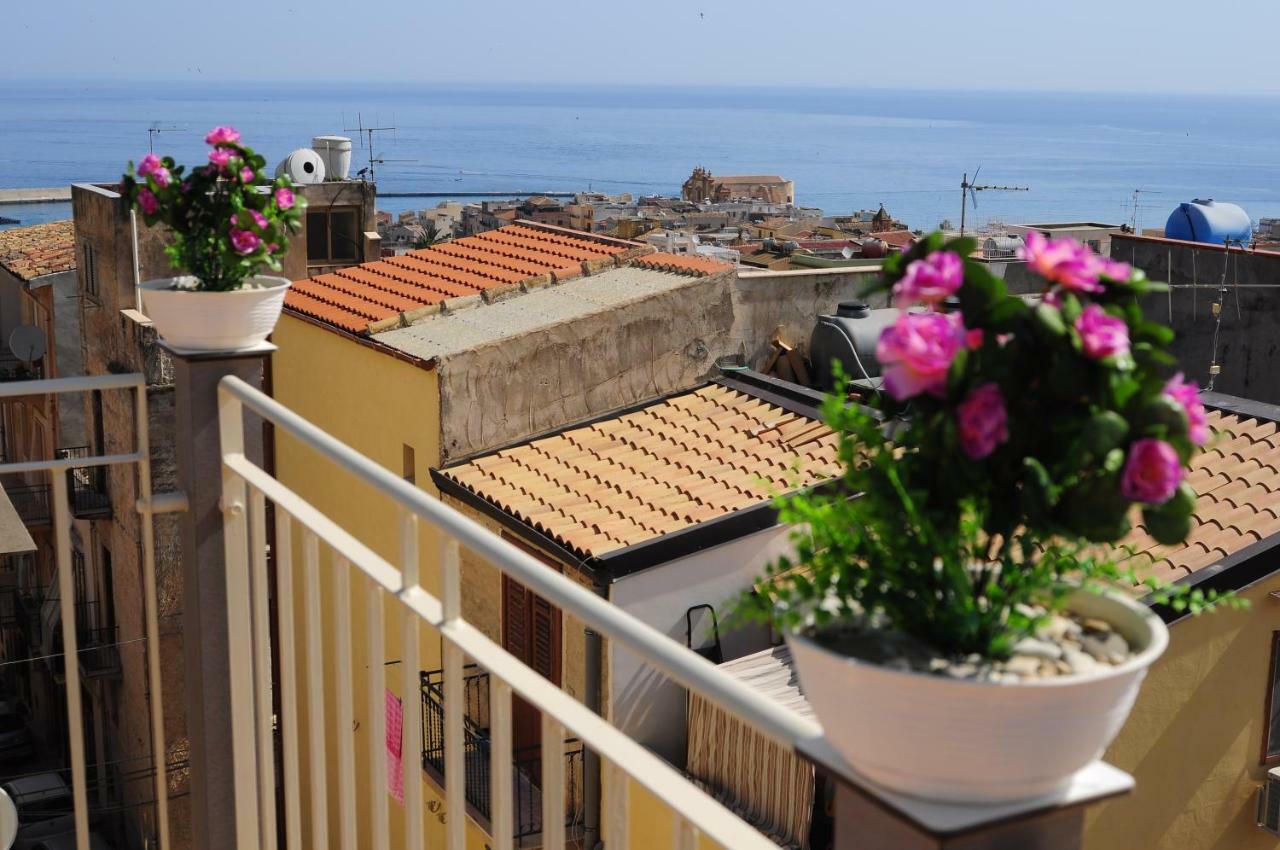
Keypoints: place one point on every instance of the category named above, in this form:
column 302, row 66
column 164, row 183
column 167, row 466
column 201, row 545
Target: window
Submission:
column 90, row 276
column 333, row 236
column 410, row 465
column 1271, row 741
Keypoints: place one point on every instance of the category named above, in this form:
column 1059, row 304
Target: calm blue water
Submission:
column 1082, row 155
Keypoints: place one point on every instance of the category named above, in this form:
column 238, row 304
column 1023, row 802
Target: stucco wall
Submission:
column 1194, row 738
column 1249, row 340
column 643, row 702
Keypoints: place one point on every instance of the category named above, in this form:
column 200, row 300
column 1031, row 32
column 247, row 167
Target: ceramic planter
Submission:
column 214, row 321
column 978, row 742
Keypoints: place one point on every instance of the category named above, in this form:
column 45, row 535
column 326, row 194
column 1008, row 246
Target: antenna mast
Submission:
column 1133, row 222
column 969, row 192
column 366, row 133
column 156, row 129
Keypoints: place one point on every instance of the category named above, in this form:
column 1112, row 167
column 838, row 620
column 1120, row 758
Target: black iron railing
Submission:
column 31, row 501
column 526, row 793
column 13, row 369
column 87, row 485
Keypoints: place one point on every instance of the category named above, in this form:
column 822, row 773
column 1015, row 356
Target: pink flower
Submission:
column 1152, row 473
column 259, row 219
column 246, row 175
column 245, row 241
column 1103, row 336
column 916, row 351
column 284, row 198
column 973, row 339
column 273, row 248
column 222, row 136
column 162, row 177
column 219, row 157
column 983, row 421
column 930, row 280
column 1185, row 393
column 1113, row 269
column 148, row 164
column 1062, row 261
column 147, row 202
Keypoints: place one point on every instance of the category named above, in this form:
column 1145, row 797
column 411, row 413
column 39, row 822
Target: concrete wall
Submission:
column 642, row 701
column 1194, row 739
column 1249, row 340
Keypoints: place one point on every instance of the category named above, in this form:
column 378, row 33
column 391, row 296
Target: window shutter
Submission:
column 515, row 618
column 545, row 638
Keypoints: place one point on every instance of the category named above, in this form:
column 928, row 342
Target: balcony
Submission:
column 31, row 501
column 13, row 369
column 526, row 761
column 87, row 485
column 97, row 642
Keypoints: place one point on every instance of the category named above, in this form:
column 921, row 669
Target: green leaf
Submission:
column 1167, row 527
column 1104, row 432
column 1049, row 320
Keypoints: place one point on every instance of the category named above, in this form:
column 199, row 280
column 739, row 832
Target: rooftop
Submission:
column 624, row 480
column 397, row 291
column 42, row 249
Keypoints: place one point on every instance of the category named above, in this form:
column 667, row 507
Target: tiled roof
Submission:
column 687, row 459
column 682, row 264
column 395, row 291
column 896, row 238
column 1237, row 479
column 31, row 252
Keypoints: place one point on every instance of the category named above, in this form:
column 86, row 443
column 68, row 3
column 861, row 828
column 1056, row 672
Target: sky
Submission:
column 1068, row 45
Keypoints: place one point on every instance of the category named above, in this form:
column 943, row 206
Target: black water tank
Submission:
column 849, row 337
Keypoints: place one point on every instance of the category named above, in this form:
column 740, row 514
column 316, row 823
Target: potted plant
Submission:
column 228, row 222
column 953, row 610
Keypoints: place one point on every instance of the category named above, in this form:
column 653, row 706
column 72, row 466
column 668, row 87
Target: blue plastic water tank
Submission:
column 1210, row 222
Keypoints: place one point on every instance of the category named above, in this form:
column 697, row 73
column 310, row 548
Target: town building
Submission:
column 1097, row 235
column 703, row 186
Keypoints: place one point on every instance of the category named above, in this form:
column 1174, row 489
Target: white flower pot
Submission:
column 214, row 321
column 978, row 742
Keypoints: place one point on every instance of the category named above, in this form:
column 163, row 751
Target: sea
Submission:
column 1117, row 158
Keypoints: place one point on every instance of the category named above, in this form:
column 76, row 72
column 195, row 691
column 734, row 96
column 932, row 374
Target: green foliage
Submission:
column 206, row 206
column 952, row 550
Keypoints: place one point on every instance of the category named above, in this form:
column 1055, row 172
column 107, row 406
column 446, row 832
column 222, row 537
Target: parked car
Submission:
column 15, row 736
column 45, row 809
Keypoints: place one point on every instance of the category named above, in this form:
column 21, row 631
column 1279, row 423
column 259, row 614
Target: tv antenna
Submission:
column 969, row 192
column 156, row 129
column 1133, row 222
column 366, row 141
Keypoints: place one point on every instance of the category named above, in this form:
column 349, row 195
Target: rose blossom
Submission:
column 1185, row 394
column 219, row 157
column 1103, row 336
column 246, row 174
column 147, row 202
column 1062, row 261
column 916, row 351
column 148, row 164
column 1113, row 269
column 974, row 338
column 162, row 177
column 1152, row 473
column 930, row 280
column 222, row 136
column 259, row 219
column 245, row 241
column 284, row 198
column 983, row 421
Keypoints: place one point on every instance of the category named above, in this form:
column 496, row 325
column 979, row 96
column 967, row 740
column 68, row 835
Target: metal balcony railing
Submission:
column 88, row 485
column 393, row 596
column 31, row 501
column 526, row 761
column 13, row 369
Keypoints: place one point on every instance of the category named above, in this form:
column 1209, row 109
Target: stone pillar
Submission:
column 205, row 645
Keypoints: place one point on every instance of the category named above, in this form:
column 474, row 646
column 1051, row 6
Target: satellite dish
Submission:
column 846, row 252
column 8, row 821
column 27, row 343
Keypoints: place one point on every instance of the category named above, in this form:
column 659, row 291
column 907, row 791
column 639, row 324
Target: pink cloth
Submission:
column 395, row 738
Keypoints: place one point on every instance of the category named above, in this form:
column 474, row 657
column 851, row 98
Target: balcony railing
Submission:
column 31, row 501
column 526, row 761
column 88, row 485
column 13, row 369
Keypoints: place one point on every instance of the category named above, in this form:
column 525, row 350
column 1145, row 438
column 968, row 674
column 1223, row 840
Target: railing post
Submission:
column 219, row 660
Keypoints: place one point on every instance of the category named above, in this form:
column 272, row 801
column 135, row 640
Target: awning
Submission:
column 768, row 785
column 14, row 537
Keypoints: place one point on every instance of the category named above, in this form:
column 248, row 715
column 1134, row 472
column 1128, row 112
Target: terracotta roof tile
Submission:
column 375, row 292
column 1237, row 481
column 681, row 264
column 32, row 252
column 626, row 480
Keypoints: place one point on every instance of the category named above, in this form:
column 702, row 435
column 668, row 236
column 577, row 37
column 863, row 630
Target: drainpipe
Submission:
column 590, row 760
column 137, row 270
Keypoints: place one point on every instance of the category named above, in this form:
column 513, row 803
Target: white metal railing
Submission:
column 61, row 505
column 246, row 490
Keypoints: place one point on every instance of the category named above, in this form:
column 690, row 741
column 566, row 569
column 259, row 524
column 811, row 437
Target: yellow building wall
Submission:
column 1194, row 739
column 377, row 404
